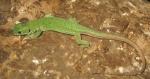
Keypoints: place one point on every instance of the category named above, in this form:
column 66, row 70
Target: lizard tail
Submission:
column 120, row 38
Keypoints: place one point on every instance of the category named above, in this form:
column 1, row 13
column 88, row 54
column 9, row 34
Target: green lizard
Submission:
column 34, row 28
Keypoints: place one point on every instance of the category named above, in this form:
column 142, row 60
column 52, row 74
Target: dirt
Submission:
column 57, row 56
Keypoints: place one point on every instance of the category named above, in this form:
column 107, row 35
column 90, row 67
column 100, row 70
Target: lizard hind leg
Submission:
column 82, row 43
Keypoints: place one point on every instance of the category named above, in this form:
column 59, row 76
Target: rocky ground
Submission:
column 56, row 56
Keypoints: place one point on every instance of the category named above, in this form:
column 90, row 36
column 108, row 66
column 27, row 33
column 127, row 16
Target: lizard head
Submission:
column 22, row 29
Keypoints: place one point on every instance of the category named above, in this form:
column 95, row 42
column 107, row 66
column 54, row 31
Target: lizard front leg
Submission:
column 33, row 35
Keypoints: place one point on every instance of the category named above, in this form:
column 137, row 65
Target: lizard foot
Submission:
column 83, row 43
